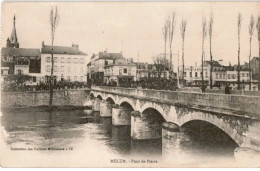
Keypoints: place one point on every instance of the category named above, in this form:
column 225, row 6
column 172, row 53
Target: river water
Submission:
column 72, row 131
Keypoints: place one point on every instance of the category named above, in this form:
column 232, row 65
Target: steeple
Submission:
column 13, row 41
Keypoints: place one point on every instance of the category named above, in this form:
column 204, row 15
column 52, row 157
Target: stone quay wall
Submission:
column 41, row 98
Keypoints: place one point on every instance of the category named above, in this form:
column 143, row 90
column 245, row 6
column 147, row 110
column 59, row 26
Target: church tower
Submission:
column 13, row 40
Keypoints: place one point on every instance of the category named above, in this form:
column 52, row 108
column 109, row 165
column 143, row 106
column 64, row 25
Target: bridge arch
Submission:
column 154, row 106
column 127, row 100
column 214, row 120
column 99, row 96
column 91, row 95
column 110, row 99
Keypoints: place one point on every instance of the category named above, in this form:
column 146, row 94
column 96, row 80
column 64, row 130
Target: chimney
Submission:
column 42, row 43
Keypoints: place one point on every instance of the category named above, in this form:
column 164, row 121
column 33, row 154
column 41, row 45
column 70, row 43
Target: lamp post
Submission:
column 191, row 77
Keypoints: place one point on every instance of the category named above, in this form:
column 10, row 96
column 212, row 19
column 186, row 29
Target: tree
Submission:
column 258, row 34
column 204, row 35
column 183, row 30
column 54, row 20
column 165, row 36
column 211, row 21
column 161, row 64
column 239, row 24
column 171, row 26
column 251, row 32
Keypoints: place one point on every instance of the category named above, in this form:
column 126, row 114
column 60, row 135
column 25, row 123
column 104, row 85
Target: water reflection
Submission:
column 70, row 127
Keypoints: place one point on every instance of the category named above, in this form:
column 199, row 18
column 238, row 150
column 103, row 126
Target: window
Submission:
column 216, row 76
column 48, row 59
column 120, row 71
column 220, row 76
column 55, row 69
column 196, row 74
column 68, row 68
column 206, row 74
column 62, row 60
column 19, row 71
column 190, row 74
column 125, row 70
column 224, row 76
column 247, row 74
column 69, row 60
column 229, row 77
column 62, row 69
column 129, row 72
column 55, row 59
column 68, row 78
column 34, row 79
column 75, row 78
column 48, row 68
column 185, row 74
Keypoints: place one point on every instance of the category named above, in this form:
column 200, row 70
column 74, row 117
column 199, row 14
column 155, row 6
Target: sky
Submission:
column 134, row 26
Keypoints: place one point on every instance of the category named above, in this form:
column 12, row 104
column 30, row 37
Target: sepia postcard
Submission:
column 130, row 84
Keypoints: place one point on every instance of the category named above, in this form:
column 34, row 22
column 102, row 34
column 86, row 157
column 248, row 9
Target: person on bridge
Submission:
column 227, row 89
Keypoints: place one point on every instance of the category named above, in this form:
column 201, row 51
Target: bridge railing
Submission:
column 249, row 104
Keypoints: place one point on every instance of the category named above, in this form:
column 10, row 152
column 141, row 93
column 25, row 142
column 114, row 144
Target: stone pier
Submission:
column 173, row 138
column 120, row 116
column 96, row 104
column 143, row 127
column 105, row 109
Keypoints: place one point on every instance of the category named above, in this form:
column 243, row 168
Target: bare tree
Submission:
column 171, row 27
column 211, row 22
column 165, row 36
column 161, row 64
column 54, row 20
column 251, row 32
column 183, row 30
column 258, row 34
column 239, row 24
column 204, row 35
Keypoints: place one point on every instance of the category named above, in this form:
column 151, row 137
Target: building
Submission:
column 193, row 74
column 69, row 63
column 96, row 67
column 145, row 70
column 254, row 65
column 120, row 72
column 16, row 60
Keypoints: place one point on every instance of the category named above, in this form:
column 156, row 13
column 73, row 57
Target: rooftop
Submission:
column 73, row 50
column 29, row 52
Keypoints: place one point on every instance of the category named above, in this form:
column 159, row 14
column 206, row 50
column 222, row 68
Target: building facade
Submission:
column 96, row 67
column 121, row 72
column 193, row 75
column 69, row 63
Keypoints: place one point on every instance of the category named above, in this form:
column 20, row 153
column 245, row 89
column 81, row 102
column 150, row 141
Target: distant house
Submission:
column 96, row 67
column 69, row 63
column 254, row 65
column 121, row 71
column 145, row 70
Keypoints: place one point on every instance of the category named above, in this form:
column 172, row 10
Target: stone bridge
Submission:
column 156, row 114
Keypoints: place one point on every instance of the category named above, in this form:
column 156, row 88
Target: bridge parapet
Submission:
column 239, row 103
